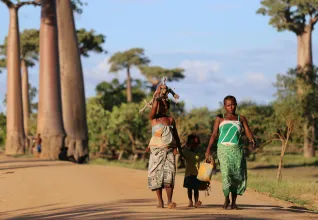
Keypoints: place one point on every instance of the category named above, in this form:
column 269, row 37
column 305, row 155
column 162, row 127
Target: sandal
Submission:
column 172, row 205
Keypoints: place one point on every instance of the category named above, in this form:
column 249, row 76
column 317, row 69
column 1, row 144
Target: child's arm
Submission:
column 213, row 136
column 248, row 130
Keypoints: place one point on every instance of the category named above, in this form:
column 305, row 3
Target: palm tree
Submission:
column 124, row 61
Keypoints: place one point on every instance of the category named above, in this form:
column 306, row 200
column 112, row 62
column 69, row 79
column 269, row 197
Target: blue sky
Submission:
column 224, row 46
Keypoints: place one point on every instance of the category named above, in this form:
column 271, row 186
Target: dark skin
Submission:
column 230, row 108
column 159, row 114
column 193, row 145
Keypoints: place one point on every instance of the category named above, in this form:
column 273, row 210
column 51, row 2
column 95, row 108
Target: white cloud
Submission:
column 200, row 71
column 248, row 82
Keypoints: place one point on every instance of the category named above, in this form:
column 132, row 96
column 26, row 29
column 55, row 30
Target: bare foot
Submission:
column 234, row 206
column 161, row 204
column 198, row 204
column 172, row 205
column 226, row 203
column 190, row 204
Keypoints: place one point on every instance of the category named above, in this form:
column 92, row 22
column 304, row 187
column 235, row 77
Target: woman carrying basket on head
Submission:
column 163, row 147
column 227, row 128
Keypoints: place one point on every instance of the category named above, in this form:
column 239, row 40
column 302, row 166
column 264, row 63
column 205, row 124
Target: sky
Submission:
column 223, row 45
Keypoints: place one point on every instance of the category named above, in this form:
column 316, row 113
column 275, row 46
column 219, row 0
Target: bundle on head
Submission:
column 161, row 94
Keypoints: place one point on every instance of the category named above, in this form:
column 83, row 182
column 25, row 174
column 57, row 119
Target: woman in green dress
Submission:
column 227, row 130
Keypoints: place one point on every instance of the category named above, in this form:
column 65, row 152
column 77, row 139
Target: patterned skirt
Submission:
column 162, row 168
column 233, row 169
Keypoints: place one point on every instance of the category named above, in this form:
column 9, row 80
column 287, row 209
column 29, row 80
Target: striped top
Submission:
column 230, row 132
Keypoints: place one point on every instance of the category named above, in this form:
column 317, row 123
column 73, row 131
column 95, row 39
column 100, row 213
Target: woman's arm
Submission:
column 248, row 130
column 153, row 110
column 213, row 136
column 176, row 137
column 155, row 104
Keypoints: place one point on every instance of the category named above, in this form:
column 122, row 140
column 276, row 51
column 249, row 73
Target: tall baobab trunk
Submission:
column 72, row 84
column 40, row 98
column 25, row 96
column 15, row 141
column 304, row 53
column 305, row 66
column 51, row 127
column 128, row 89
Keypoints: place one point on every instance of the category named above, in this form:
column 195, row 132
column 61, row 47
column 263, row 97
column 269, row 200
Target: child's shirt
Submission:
column 192, row 162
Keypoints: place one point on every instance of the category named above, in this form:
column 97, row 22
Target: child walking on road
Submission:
column 192, row 163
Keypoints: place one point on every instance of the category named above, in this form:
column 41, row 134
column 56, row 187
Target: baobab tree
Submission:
column 154, row 74
column 50, row 123
column 299, row 17
column 29, row 50
column 72, row 84
column 125, row 61
column 15, row 140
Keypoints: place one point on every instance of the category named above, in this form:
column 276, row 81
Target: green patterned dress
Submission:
column 231, row 157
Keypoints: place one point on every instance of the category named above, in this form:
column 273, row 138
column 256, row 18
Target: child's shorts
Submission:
column 38, row 148
column 191, row 182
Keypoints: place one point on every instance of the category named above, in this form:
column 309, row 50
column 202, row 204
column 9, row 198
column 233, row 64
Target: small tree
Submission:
column 287, row 116
column 125, row 61
column 97, row 122
column 286, row 120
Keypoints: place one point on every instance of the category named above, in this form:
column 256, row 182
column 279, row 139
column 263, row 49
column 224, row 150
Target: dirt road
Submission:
column 37, row 189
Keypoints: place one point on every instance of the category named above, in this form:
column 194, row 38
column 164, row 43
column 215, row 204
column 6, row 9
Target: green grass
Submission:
column 301, row 192
column 290, row 160
column 140, row 165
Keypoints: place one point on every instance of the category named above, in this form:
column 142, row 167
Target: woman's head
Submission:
column 230, row 104
column 193, row 140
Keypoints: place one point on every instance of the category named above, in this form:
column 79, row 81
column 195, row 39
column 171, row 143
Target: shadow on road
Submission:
column 126, row 209
column 13, row 167
column 11, row 163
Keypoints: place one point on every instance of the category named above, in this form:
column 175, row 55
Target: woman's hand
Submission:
column 175, row 151
column 147, row 149
column 253, row 143
column 207, row 153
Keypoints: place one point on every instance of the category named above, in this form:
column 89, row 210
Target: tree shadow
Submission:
column 14, row 167
column 33, row 160
column 124, row 209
